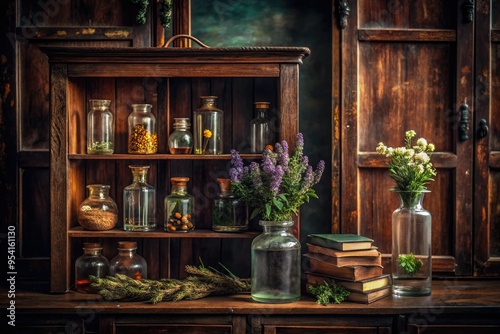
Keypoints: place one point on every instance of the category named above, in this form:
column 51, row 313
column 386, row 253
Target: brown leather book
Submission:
column 353, row 273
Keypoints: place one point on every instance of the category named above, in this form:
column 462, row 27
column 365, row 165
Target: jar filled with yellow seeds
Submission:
column 142, row 136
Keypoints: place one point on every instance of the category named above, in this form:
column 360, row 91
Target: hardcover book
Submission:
column 349, row 260
column 363, row 286
column 372, row 252
column 341, row 241
column 353, row 273
column 368, row 297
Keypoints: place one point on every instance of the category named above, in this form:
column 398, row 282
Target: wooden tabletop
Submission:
column 448, row 296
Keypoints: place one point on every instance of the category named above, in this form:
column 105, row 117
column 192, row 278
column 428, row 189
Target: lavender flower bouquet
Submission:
column 277, row 187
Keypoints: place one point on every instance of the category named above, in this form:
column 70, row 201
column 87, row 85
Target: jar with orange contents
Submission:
column 128, row 262
column 179, row 207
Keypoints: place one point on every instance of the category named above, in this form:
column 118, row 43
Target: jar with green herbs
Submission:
column 100, row 128
column 142, row 136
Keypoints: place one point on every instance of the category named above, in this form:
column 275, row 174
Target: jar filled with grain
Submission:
column 98, row 212
column 142, row 136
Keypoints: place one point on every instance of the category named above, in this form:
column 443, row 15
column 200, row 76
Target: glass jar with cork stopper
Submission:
column 92, row 262
column 128, row 262
column 179, row 207
column 180, row 140
column 261, row 129
column 229, row 211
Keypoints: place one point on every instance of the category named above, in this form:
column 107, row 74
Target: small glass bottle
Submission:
column 261, row 130
column 98, row 212
column 139, row 202
column 180, row 140
column 179, row 207
column 275, row 257
column 207, row 128
column 100, row 128
column 92, row 262
column 128, row 262
column 142, row 136
column 229, row 212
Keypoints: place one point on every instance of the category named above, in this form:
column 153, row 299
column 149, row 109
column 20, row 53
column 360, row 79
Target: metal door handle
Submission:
column 463, row 125
column 483, row 129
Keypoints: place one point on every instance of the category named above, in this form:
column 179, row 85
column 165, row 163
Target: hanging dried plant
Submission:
column 165, row 16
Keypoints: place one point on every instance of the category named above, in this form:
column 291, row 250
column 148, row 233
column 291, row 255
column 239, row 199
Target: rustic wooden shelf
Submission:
column 79, row 232
column 159, row 156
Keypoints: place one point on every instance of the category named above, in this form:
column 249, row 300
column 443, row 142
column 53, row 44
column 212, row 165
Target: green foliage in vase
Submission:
column 328, row 293
column 409, row 264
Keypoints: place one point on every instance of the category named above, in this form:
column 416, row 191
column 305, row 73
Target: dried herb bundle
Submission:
column 200, row 283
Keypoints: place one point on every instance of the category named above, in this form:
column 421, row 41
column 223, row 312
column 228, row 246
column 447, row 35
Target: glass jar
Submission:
column 411, row 246
column 261, row 130
column 179, row 207
column 100, row 128
column 180, row 140
column 128, row 262
column 139, row 202
column 229, row 211
column 98, row 212
column 208, row 123
column 275, row 256
column 142, row 136
column 92, row 262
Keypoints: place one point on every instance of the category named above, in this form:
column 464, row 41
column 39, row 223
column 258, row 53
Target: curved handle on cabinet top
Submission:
column 173, row 38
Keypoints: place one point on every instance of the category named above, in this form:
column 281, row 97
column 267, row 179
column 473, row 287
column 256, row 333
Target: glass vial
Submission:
column 261, row 130
column 98, row 212
column 275, row 256
column 180, row 140
column 179, row 207
column 100, row 128
column 139, row 202
column 142, row 136
column 229, row 211
column 207, row 128
column 128, row 262
column 92, row 262
column 411, row 246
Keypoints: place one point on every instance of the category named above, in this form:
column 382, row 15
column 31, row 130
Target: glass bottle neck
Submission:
column 139, row 178
column 92, row 251
column 126, row 252
column 179, row 189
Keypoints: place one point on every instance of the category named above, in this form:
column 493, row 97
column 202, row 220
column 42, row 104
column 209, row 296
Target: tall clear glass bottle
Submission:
column 179, row 207
column 92, row 262
column 208, row 127
column 261, row 129
column 100, row 128
column 128, row 262
column 275, row 256
column 142, row 136
column 229, row 211
column 98, row 212
column 180, row 140
column 411, row 246
column 139, row 202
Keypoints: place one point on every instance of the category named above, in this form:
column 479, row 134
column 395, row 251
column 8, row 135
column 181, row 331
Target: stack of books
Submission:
column 350, row 261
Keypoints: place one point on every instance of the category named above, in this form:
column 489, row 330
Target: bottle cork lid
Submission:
column 92, row 245
column 225, row 184
column 127, row 244
column 179, row 180
column 262, row 105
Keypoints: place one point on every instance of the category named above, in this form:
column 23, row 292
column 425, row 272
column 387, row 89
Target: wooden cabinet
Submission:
column 428, row 66
column 171, row 79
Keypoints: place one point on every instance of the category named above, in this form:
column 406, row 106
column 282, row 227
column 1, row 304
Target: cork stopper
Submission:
column 262, row 105
column 224, row 184
column 127, row 245
column 91, row 245
column 180, row 181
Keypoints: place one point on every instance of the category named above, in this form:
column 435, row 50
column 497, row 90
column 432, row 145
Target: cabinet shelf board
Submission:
column 159, row 156
column 79, row 232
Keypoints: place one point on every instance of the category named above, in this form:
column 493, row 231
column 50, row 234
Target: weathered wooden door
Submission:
column 487, row 135
column 406, row 65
